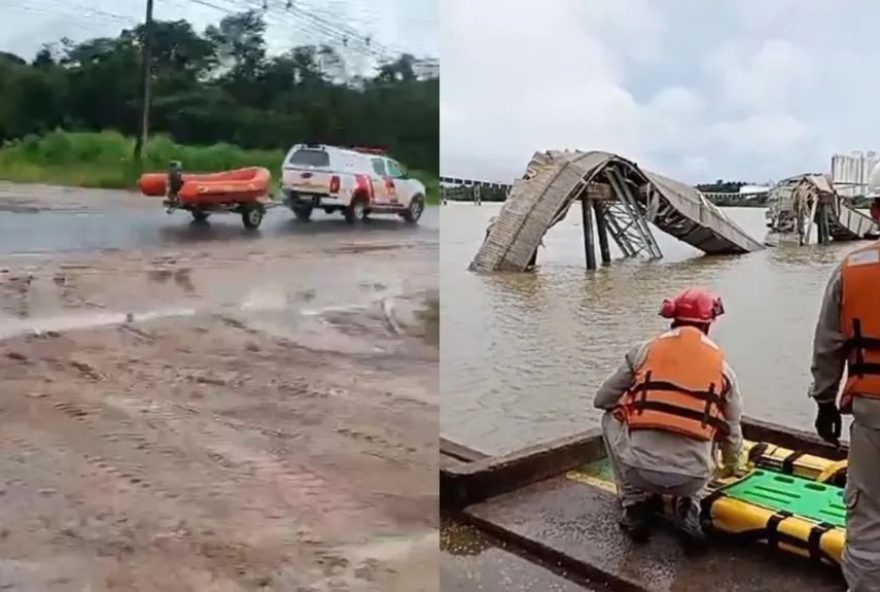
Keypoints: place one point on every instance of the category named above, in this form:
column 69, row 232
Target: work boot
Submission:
column 635, row 521
column 688, row 524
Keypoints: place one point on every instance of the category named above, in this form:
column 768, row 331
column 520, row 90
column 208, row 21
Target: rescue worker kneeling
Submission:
column 669, row 404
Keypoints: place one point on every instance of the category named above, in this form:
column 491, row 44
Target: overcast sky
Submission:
column 700, row 90
column 396, row 25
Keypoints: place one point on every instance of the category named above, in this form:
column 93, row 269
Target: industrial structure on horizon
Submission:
column 850, row 173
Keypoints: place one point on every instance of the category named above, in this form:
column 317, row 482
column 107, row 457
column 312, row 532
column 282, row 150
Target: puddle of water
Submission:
column 350, row 328
column 316, row 312
column 265, row 299
column 429, row 317
column 311, row 329
column 390, row 548
column 15, row 327
column 457, row 538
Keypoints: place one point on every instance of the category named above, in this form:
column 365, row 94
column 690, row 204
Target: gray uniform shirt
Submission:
column 663, row 451
column 829, row 356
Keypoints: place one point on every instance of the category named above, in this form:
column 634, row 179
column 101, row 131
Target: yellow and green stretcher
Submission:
column 788, row 501
column 784, row 460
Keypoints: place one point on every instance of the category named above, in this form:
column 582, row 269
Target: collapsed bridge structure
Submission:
column 800, row 203
column 624, row 199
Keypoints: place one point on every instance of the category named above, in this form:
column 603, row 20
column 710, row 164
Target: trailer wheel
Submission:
column 303, row 213
column 355, row 210
column 252, row 217
column 200, row 215
column 412, row 213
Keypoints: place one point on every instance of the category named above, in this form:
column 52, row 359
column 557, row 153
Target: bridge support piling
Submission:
column 589, row 243
column 602, row 231
column 822, row 230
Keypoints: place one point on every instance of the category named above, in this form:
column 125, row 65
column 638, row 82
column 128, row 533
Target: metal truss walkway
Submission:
column 624, row 198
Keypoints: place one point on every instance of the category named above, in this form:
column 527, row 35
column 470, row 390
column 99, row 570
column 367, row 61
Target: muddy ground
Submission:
column 242, row 415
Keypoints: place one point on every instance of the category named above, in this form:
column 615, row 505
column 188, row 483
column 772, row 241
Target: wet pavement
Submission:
column 581, row 522
column 471, row 563
column 40, row 219
column 47, row 231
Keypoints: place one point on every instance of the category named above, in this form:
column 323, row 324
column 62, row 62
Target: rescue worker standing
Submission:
column 671, row 401
column 848, row 335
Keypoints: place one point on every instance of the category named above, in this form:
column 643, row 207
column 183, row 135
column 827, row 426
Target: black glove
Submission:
column 828, row 423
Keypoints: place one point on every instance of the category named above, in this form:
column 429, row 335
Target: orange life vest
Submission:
column 679, row 387
column 860, row 322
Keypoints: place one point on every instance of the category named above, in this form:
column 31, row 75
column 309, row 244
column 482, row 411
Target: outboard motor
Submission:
column 175, row 178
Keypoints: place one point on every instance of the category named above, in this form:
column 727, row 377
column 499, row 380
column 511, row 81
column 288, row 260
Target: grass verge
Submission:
column 104, row 160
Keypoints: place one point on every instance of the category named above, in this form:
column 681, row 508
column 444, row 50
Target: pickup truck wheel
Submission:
column 252, row 217
column 416, row 206
column 303, row 213
column 355, row 210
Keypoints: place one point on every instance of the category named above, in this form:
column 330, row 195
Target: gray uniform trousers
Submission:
column 637, row 484
column 861, row 555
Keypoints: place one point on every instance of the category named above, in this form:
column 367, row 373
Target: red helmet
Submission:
column 693, row 304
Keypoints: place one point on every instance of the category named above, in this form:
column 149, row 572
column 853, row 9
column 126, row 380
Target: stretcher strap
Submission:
column 772, row 528
column 757, row 451
column 770, row 532
column 815, row 539
column 788, row 461
column 834, row 473
column 706, row 505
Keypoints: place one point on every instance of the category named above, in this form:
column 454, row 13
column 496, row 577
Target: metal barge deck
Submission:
column 546, row 531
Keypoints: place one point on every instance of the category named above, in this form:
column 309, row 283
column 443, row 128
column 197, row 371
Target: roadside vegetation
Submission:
column 105, row 160
column 220, row 100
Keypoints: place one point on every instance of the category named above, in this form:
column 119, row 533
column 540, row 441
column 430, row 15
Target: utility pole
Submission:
column 146, row 59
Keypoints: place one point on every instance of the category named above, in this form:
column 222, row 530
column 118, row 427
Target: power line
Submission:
column 382, row 48
column 236, row 9
column 363, row 44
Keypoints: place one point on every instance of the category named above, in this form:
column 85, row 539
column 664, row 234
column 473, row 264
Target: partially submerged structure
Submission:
column 801, row 203
column 623, row 198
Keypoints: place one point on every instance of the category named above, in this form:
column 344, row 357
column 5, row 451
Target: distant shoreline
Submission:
column 724, row 205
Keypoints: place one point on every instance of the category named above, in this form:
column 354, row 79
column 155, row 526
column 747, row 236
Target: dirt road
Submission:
column 243, row 415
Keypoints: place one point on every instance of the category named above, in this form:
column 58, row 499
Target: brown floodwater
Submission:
column 522, row 354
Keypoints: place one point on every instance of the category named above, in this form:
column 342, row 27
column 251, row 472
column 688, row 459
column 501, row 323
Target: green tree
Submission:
column 221, row 86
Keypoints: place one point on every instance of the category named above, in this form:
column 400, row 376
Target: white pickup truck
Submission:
column 355, row 181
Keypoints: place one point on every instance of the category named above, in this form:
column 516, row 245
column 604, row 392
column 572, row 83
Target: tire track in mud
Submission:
column 232, row 458
column 265, row 529
column 43, row 265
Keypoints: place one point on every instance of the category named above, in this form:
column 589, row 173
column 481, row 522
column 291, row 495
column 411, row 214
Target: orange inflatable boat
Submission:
column 236, row 186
